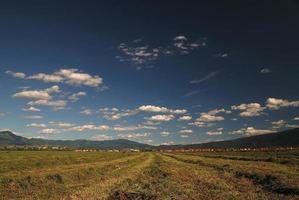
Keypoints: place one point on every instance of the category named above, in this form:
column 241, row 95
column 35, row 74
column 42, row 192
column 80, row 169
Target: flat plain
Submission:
column 149, row 175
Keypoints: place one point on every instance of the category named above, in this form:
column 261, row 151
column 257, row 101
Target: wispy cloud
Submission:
column 205, row 78
column 265, row 71
column 140, row 53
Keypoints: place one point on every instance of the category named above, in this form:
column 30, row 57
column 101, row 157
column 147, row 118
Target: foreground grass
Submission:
column 147, row 176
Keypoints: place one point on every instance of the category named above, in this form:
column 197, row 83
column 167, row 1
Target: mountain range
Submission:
column 288, row 138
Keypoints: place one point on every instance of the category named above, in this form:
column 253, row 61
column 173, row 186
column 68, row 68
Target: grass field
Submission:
column 148, row 175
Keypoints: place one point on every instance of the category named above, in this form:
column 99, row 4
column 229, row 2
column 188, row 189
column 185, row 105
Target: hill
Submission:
column 8, row 138
column 288, row 138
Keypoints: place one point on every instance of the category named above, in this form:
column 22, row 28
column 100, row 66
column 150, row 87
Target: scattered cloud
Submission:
column 133, row 128
column 38, row 94
column 292, row 126
column 86, row 111
column 164, row 133
column 161, row 118
column 134, row 135
column 249, row 110
column 185, row 118
column 49, row 131
column 2, row 114
column 71, row 76
column 89, row 127
column 75, row 97
column 221, row 55
column 33, row 117
column 115, row 113
column 278, row 124
column 34, row 125
column 140, row 53
column 61, row 124
column 275, row 104
column 31, row 109
column 213, row 133
column 56, row 105
column 16, row 74
column 265, row 71
column 186, row 131
column 151, row 108
column 206, row 119
column 184, row 136
column 296, row 118
column 102, row 137
column 251, row 131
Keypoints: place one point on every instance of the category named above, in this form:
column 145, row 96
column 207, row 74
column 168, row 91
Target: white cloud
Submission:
column 140, row 53
column 185, row 118
column 296, row 118
column 89, row 127
column 211, row 116
column 133, row 135
column 34, row 125
column 70, row 76
column 184, row 136
column 102, row 137
column 212, row 133
column 278, row 124
column 151, row 108
column 75, row 97
column 184, row 47
column 2, row 114
column 161, row 118
column 250, row 131
column 115, row 113
column 275, row 104
column 249, row 110
column 16, row 74
column 133, row 128
column 46, row 77
column 33, row 117
column 186, row 131
column 168, row 143
column 49, row 131
column 292, row 125
column 75, row 77
column 265, row 71
column 164, row 133
column 31, row 109
column 86, row 111
column 56, row 105
column 61, row 124
column 38, row 94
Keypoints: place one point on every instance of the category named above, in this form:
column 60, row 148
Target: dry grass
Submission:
column 148, row 176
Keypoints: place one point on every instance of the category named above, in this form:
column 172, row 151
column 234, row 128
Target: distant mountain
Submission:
column 288, row 138
column 8, row 138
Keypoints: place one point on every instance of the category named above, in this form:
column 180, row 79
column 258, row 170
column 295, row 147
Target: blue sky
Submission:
column 159, row 73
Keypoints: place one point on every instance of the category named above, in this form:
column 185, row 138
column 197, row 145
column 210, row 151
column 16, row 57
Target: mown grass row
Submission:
column 57, row 183
column 20, row 161
column 291, row 157
column 276, row 181
column 147, row 176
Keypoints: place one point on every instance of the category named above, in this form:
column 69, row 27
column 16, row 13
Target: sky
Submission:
column 168, row 72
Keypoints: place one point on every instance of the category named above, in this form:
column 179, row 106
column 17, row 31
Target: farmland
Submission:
column 149, row 175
